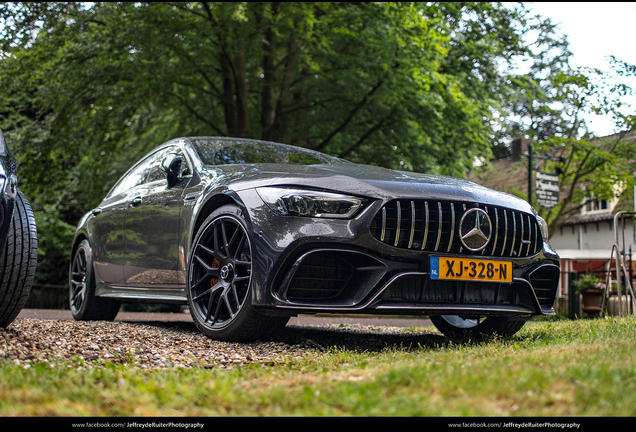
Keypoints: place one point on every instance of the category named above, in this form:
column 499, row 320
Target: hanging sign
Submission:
column 547, row 189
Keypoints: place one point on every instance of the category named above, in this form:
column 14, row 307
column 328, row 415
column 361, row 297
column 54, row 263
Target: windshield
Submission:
column 230, row 151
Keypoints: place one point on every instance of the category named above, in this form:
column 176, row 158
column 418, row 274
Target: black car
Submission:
column 249, row 233
column 18, row 240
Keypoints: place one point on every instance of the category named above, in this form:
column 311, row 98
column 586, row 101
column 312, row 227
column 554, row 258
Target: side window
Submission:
column 147, row 171
column 135, row 177
column 141, row 173
column 156, row 171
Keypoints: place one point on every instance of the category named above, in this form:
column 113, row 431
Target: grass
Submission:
column 557, row 369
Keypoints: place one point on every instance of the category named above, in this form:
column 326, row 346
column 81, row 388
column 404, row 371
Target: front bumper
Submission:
column 309, row 265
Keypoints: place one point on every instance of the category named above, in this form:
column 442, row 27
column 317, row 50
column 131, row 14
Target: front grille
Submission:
column 433, row 226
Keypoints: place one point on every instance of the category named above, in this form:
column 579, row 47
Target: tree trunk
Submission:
column 240, row 84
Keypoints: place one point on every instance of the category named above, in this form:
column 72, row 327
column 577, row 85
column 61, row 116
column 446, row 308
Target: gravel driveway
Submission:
column 173, row 341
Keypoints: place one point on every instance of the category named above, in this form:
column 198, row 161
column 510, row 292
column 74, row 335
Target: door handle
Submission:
column 135, row 201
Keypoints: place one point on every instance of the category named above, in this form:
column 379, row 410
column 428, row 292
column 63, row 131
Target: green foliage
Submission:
column 88, row 88
column 551, row 113
column 598, row 168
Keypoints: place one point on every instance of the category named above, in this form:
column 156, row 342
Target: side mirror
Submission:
column 171, row 165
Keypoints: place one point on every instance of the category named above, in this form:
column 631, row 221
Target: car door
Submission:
column 152, row 226
column 107, row 228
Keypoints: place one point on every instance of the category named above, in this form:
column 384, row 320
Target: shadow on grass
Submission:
column 363, row 339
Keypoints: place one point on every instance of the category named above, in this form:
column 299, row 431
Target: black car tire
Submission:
column 85, row 305
column 463, row 330
column 220, row 281
column 18, row 259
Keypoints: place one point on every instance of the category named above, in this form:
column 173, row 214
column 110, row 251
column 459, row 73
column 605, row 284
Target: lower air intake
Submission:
column 545, row 280
column 320, row 276
column 420, row 290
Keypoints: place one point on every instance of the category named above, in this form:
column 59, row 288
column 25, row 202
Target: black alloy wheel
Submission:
column 85, row 306
column 219, row 282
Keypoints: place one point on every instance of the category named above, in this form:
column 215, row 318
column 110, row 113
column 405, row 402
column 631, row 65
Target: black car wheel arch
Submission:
column 84, row 304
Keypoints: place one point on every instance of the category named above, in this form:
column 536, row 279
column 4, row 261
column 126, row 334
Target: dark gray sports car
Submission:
column 249, row 233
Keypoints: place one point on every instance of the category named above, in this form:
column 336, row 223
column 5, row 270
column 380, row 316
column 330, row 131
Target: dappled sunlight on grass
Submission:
column 559, row 368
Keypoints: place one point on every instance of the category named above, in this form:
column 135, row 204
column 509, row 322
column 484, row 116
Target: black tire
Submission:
column 462, row 330
column 85, row 305
column 18, row 259
column 220, row 281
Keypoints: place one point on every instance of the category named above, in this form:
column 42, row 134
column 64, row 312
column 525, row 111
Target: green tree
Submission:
column 549, row 105
column 89, row 88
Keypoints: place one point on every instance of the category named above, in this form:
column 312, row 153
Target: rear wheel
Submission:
column 220, row 281
column 461, row 330
column 18, row 259
column 85, row 305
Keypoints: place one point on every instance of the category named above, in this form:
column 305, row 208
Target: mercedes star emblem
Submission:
column 475, row 229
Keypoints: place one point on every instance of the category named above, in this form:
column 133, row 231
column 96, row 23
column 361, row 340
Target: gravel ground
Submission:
column 157, row 345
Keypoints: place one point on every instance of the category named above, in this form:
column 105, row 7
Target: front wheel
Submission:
column 85, row 305
column 462, row 330
column 220, row 281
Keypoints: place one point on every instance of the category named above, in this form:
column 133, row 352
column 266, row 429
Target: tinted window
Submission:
column 156, row 171
column 134, row 178
column 146, row 171
column 215, row 151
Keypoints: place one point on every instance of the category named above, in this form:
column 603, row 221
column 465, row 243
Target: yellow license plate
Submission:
column 475, row 269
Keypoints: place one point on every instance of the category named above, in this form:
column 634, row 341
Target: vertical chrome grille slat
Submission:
column 399, row 222
column 383, row 233
column 412, row 224
column 514, row 230
column 514, row 233
column 536, row 239
column 503, row 248
column 496, row 229
column 425, row 225
column 452, row 230
column 439, row 225
column 522, row 233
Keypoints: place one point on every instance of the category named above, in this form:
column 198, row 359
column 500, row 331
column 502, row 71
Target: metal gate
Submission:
column 618, row 298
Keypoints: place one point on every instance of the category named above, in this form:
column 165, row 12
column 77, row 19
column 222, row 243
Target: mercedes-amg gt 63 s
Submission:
column 18, row 240
column 249, row 233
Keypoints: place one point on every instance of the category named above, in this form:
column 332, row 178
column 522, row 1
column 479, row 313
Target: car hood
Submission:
column 364, row 180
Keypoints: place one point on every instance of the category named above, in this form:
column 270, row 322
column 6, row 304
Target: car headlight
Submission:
column 298, row 202
column 543, row 225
